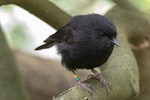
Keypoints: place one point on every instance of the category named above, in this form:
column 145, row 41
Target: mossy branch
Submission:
column 11, row 86
column 43, row 9
column 126, row 5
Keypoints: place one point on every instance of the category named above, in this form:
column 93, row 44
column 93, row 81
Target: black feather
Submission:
column 85, row 42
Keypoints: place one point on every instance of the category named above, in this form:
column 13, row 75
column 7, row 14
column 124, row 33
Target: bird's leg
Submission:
column 99, row 77
column 79, row 83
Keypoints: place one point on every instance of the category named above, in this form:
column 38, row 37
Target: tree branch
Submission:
column 142, row 56
column 43, row 9
column 134, row 24
column 11, row 86
column 126, row 5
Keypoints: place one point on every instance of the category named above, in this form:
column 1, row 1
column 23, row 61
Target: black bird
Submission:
column 85, row 42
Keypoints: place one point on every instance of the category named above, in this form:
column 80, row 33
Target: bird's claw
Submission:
column 82, row 85
column 102, row 81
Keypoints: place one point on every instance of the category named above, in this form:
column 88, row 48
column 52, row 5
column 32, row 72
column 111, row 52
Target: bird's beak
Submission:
column 115, row 42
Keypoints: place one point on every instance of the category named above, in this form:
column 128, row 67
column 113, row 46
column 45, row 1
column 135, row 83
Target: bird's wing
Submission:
column 60, row 36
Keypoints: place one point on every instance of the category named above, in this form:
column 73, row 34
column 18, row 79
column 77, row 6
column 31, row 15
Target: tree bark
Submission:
column 11, row 85
column 143, row 58
column 125, row 4
column 43, row 9
column 136, row 26
column 44, row 78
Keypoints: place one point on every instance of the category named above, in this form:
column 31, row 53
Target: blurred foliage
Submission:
column 75, row 7
column 16, row 31
column 18, row 37
column 8, row 8
column 143, row 5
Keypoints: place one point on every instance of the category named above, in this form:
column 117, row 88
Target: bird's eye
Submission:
column 101, row 34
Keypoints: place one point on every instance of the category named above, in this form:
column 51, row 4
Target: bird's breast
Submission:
column 83, row 55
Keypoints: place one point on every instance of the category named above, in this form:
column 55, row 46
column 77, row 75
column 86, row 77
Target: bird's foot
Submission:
column 102, row 81
column 82, row 85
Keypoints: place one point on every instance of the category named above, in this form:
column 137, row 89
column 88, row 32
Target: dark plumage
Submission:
column 85, row 42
